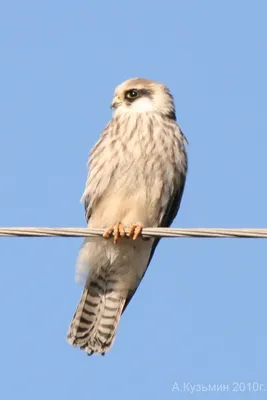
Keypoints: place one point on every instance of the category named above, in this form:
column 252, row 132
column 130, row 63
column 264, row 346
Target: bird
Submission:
column 136, row 178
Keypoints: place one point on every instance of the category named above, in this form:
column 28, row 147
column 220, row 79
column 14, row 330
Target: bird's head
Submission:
column 139, row 95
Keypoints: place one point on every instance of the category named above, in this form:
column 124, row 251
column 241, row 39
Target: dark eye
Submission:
column 131, row 94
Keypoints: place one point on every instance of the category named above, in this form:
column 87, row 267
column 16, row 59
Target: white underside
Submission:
column 134, row 186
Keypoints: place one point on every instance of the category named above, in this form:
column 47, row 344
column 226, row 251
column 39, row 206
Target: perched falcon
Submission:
column 136, row 178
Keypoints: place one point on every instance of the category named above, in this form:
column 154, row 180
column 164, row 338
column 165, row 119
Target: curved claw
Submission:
column 135, row 231
column 117, row 230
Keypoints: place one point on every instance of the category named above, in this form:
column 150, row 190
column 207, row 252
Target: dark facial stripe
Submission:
column 145, row 92
column 141, row 93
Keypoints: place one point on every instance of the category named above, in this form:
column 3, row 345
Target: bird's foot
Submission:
column 117, row 231
column 135, row 231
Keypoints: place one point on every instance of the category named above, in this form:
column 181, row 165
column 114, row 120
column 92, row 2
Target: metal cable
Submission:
column 152, row 232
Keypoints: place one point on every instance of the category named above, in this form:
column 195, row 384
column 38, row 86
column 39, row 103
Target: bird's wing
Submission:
column 167, row 219
column 87, row 209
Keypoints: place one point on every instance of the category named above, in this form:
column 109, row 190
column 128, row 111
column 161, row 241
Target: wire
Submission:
column 151, row 232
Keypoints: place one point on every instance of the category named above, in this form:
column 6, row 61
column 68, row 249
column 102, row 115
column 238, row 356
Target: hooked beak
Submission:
column 115, row 102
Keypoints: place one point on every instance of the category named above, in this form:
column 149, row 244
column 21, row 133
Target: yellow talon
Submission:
column 135, row 231
column 117, row 230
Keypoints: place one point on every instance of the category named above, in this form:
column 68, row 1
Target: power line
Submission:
column 152, row 232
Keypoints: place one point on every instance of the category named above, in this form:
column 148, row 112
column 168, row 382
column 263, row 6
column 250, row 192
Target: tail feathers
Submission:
column 96, row 319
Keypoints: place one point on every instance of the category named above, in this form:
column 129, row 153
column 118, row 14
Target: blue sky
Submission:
column 200, row 314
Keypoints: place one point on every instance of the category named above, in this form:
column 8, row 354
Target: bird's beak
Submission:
column 115, row 102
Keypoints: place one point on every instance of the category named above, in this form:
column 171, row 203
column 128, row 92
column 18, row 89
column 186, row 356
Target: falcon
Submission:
column 136, row 178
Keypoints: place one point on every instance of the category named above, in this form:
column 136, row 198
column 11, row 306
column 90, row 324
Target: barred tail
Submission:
column 95, row 321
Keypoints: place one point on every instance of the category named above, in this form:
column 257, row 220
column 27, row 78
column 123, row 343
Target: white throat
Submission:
column 138, row 106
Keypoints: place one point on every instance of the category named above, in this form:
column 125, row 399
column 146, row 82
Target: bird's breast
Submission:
column 139, row 175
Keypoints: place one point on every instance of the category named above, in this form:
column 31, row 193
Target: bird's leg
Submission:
column 117, row 230
column 135, row 230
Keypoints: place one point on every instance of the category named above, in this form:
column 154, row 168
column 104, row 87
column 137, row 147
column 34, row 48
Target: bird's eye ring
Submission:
column 131, row 94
